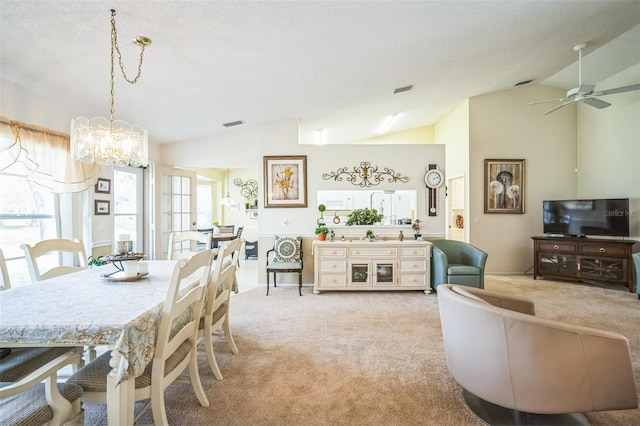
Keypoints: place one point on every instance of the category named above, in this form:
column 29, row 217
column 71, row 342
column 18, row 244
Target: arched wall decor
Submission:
column 248, row 189
column 365, row 175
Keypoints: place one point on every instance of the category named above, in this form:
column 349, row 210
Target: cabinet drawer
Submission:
column 373, row 252
column 337, row 266
column 413, row 251
column 333, row 252
column 417, row 265
column 563, row 247
column 603, row 249
column 330, row 280
column 413, row 280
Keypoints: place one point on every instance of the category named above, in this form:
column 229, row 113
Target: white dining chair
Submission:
column 4, row 273
column 183, row 245
column 218, row 298
column 27, row 400
column 37, row 252
column 175, row 348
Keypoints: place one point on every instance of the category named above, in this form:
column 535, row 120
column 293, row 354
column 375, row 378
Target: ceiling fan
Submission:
column 584, row 92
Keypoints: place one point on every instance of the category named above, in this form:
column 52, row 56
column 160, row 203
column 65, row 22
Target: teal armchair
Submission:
column 636, row 263
column 457, row 262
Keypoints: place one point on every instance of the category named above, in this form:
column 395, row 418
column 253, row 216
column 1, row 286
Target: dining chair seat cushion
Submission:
column 93, row 376
column 23, row 361
column 455, row 269
column 30, row 407
column 284, row 266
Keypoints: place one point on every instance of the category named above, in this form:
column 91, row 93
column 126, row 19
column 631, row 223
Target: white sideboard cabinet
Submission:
column 363, row 265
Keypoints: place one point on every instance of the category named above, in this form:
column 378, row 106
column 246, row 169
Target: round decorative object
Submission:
column 286, row 249
column 433, row 178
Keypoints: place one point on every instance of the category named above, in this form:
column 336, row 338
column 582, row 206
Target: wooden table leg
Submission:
column 120, row 397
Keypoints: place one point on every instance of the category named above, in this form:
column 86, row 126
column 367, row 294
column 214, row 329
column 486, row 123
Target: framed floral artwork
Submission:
column 504, row 186
column 285, row 181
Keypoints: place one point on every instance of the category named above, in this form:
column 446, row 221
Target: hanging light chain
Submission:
column 140, row 41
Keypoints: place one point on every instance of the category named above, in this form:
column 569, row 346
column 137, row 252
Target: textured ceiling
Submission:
column 330, row 64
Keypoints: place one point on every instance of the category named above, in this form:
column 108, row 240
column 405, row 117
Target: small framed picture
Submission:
column 102, row 207
column 253, row 214
column 103, row 186
column 504, row 186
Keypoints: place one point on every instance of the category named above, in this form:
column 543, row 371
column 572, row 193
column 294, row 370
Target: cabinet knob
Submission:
column 556, row 247
column 602, row 249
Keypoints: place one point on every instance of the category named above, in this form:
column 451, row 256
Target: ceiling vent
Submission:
column 402, row 89
column 233, row 123
column 522, row 83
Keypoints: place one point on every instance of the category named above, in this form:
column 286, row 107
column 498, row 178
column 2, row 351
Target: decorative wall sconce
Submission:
column 365, row 175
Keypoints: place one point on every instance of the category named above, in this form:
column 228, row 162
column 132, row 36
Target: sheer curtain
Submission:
column 46, row 154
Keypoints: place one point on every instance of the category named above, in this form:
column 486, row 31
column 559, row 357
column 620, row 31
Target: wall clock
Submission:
column 433, row 178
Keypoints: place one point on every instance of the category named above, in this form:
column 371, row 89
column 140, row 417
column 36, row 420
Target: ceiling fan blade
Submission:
column 618, row 90
column 558, row 107
column 586, row 89
column 548, row 100
column 597, row 103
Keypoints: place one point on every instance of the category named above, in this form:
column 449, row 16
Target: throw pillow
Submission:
column 287, row 249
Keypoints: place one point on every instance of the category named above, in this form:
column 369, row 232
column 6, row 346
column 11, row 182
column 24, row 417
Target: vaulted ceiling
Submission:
column 330, row 64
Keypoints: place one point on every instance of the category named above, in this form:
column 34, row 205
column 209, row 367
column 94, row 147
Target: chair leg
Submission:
column 229, row 336
column 211, row 357
column 268, row 283
column 300, row 283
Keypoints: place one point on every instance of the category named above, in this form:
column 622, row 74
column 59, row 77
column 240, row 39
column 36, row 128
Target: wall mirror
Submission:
column 397, row 206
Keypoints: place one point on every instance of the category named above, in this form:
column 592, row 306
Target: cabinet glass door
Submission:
column 359, row 273
column 385, row 273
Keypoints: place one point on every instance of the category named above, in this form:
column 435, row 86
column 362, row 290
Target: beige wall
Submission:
column 609, row 147
column 503, row 126
column 453, row 132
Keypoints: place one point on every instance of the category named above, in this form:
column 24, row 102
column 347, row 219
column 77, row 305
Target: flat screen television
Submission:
column 597, row 217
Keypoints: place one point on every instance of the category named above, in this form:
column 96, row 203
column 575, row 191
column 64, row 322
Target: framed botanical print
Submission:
column 285, row 181
column 504, row 189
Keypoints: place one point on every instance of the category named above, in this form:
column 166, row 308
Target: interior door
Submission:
column 175, row 199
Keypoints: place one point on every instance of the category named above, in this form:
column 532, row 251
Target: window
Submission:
column 28, row 213
column 204, row 208
column 127, row 205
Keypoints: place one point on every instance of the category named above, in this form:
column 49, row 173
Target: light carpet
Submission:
column 365, row 358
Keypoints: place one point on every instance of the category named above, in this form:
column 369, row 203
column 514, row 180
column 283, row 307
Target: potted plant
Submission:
column 416, row 228
column 247, row 205
column 321, row 232
column 96, row 261
column 321, row 209
column 370, row 236
column 364, row 217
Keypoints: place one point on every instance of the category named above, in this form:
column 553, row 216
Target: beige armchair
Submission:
column 513, row 365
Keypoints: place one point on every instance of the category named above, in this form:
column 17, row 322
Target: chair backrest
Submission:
column 36, row 253
column 221, row 280
column 569, row 368
column 183, row 245
column 226, row 229
column 5, row 284
column 181, row 315
column 239, row 233
column 286, row 249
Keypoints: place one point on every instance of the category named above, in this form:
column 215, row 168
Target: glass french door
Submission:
column 175, row 203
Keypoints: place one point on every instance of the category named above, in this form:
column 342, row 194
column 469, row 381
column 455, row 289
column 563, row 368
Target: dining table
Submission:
column 86, row 309
column 216, row 239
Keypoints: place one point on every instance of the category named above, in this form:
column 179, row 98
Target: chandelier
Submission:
column 228, row 200
column 107, row 141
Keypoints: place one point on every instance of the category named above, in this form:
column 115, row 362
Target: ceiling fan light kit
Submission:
column 584, row 92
